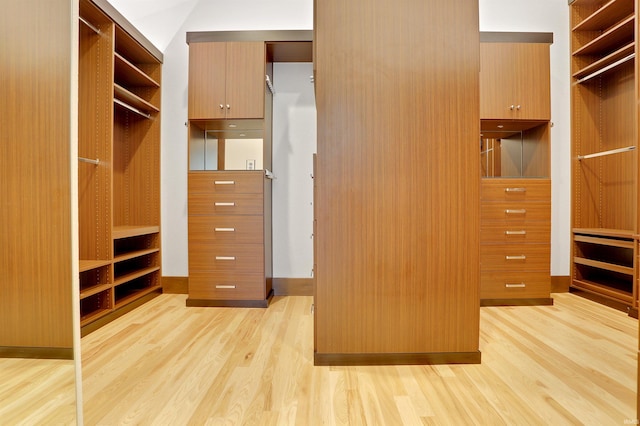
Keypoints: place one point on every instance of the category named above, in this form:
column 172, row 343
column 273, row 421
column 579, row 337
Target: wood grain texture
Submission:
column 397, row 179
column 35, row 181
column 571, row 363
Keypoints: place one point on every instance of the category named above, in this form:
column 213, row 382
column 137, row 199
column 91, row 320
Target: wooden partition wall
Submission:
column 397, row 182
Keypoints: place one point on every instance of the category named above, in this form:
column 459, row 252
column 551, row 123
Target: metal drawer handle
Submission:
column 224, row 182
column 518, row 285
column 225, row 258
column 515, row 190
column 519, row 257
column 515, row 232
column 226, row 286
column 226, row 204
column 225, row 229
column 516, row 211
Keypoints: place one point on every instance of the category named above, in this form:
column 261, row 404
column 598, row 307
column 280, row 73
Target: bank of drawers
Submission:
column 226, row 236
column 515, row 227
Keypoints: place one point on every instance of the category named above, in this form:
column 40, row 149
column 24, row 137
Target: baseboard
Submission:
column 175, row 285
column 560, row 283
column 543, row 301
column 396, row 358
column 293, row 286
column 35, row 353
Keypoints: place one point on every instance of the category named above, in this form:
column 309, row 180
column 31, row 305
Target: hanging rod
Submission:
column 607, row 68
column 90, row 25
column 603, row 153
column 130, row 108
column 89, row 160
column 270, row 85
column 486, row 151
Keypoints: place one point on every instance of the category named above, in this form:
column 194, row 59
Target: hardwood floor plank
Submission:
column 163, row 363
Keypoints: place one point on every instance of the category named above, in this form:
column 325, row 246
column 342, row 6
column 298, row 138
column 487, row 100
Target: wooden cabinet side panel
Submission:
column 398, row 200
column 207, row 73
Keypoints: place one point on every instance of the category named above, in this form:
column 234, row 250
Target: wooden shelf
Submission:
column 87, row 265
column 605, row 232
column 603, row 241
column 136, row 295
column 130, row 75
column 134, row 101
column 134, row 254
column 94, row 290
column 618, row 35
column 133, row 231
column 603, row 290
column 604, row 265
column 91, row 317
column 601, row 64
column 606, row 16
column 133, row 275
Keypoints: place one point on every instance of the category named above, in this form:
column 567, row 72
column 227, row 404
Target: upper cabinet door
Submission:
column 226, row 80
column 245, row 80
column 515, row 81
column 207, row 76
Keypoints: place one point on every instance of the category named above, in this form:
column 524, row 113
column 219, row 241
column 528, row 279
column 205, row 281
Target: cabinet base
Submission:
column 35, row 353
column 218, row 303
column 426, row 358
column 545, row 301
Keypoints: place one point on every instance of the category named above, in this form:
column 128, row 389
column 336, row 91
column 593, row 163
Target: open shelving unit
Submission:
column 119, row 168
column 604, row 149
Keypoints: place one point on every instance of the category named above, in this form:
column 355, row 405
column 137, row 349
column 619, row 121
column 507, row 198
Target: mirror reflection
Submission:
column 225, row 149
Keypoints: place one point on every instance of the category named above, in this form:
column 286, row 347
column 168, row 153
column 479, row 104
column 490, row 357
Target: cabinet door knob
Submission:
column 228, row 106
column 512, row 107
column 518, row 107
column 221, row 106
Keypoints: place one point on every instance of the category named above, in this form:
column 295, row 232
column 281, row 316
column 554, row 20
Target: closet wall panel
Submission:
column 397, row 180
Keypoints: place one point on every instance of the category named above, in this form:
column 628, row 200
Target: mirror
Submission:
column 226, row 145
column 514, row 149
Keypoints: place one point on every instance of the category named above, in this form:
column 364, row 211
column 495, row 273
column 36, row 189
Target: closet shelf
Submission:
column 94, row 315
column 606, row 16
column 119, row 232
column 94, row 290
column 619, row 34
column 128, row 74
column 604, row 241
column 87, row 265
column 136, row 295
column 133, row 275
column 134, row 254
column 133, row 101
column 604, row 265
column 605, row 232
column 609, row 291
column 611, row 61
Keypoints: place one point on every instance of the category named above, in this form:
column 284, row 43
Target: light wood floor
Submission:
column 572, row 363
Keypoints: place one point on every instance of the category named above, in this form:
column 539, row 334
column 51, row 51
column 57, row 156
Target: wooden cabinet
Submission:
column 226, row 80
column 515, row 81
column 604, row 115
column 397, row 182
column 119, row 166
column 515, row 227
column 227, row 238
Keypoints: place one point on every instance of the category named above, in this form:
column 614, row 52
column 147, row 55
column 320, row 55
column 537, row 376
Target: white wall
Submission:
column 547, row 16
column 291, row 153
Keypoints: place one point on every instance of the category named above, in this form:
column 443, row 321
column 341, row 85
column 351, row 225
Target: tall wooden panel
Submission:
column 35, row 181
column 397, row 277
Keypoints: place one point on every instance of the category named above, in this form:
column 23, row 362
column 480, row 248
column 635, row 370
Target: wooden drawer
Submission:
column 515, row 189
column 515, row 257
column 514, row 285
column 245, row 182
column 226, row 286
column 244, row 258
column 515, row 212
column 229, row 204
column 226, row 229
column 503, row 232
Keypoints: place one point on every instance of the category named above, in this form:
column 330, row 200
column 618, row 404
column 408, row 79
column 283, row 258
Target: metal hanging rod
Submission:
column 89, row 160
column 610, row 152
column 270, row 85
column 607, row 68
column 90, row 25
column 130, row 108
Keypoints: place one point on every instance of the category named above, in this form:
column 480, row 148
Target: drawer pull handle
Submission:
column 224, row 182
column 225, row 204
column 225, row 258
column 225, row 229
column 226, row 286
column 515, row 211
column 517, row 285
column 515, row 232
column 515, row 190
column 519, row 257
